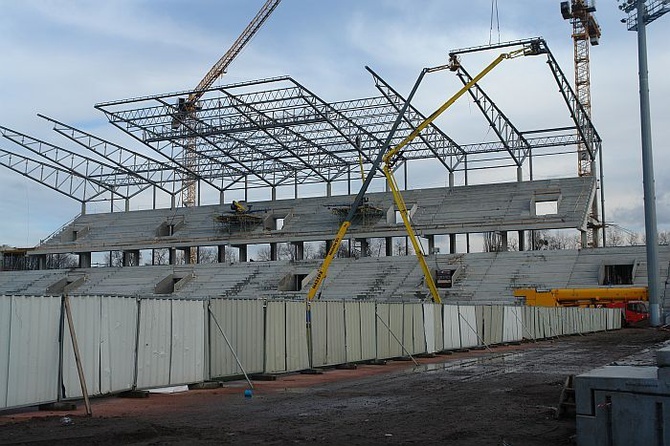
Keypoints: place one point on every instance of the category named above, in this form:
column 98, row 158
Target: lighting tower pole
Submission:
column 640, row 13
column 585, row 32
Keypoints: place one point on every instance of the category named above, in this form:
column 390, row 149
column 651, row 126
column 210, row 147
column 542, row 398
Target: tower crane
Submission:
column 187, row 108
column 585, row 32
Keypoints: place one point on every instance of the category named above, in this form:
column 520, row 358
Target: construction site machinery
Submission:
column 585, row 32
column 390, row 157
column 632, row 301
column 188, row 107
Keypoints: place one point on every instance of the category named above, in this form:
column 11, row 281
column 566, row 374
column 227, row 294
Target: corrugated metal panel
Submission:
column 419, row 330
column 335, row 338
column 429, row 327
column 396, row 312
column 5, row 338
column 118, row 336
column 512, row 330
column 467, row 321
column 297, row 354
column 616, row 319
column 33, row 350
column 368, row 330
column 383, row 336
column 242, row 323
column 352, row 321
column 275, row 337
column 479, row 315
column 407, row 330
column 86, row 317
column 534, row 322
column 439, row 329
column 495, row 325
column 319, row 333
column 187, row 358
column 450, row 322
column 155, row 337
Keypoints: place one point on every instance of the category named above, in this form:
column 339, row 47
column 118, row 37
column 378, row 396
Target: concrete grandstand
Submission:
column 275, row 133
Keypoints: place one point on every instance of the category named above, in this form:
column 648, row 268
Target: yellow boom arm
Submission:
column 389, row 159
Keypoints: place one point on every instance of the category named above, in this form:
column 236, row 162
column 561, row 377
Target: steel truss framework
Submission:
column 275, row 132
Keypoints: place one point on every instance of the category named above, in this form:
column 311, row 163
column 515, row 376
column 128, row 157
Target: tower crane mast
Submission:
column 585, row 32
column 187, row 107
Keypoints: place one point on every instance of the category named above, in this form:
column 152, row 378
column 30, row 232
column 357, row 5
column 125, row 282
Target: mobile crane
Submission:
column 632, row 301
column 390, row 157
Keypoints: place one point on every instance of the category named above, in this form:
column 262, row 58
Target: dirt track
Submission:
column 505, row 396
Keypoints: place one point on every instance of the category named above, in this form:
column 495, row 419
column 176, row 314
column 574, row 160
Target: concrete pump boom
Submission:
column 388, row 158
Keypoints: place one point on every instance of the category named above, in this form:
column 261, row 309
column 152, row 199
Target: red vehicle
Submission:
column 633, row 313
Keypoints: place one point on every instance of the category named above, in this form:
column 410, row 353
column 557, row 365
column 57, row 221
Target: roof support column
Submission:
column 84, row 259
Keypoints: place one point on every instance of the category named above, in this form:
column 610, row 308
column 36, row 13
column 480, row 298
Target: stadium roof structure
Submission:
column 274, row 132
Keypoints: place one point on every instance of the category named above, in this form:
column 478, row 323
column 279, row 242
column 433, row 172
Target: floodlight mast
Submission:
column 640, row 13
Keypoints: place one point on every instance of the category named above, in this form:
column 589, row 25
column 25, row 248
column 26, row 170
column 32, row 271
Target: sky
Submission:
column 60, row 57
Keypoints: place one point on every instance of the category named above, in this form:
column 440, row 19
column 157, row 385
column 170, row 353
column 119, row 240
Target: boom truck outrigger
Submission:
column 390, row 157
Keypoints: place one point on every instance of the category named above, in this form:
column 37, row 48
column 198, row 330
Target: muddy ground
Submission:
column 503, row 396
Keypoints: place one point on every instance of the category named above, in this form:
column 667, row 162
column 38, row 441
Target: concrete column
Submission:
column 83, row 208
column 503, row 237
column 431, row 244
column 222, row 199
column 389, row 246
column 84, row 259
column 585, row 239
column 172, row 256
column 452, row 243
column 274, row 252
column 221, row 253
column 242, row 253
column 274, row 193
column 364, row 247
column 522, row 240
column 329, row 243
column 329, row 189
column 187, row 255
column 127, row 204
column 519, row 174
column 173, row 201
column 131, row 258
column 42, row 261
column 451, row 179
column 299, row 250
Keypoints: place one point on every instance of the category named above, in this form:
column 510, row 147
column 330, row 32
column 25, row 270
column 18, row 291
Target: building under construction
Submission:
column 266, row 136
column 173, row 278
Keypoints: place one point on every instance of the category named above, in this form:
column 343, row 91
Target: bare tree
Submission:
column 114, row 258
column 161, row 256
column 207, row 255
column 61, row 261
column 493, row 242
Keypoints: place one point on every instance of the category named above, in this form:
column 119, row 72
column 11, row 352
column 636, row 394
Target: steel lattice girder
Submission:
column 278, row 135
column 75, row 186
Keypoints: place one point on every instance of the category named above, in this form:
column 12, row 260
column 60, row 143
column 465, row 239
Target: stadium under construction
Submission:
column 239, row 251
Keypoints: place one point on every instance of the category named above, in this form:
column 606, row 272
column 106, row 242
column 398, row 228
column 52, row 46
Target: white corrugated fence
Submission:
column 140, row 343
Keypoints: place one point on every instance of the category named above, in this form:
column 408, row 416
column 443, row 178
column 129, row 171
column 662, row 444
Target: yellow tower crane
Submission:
column 188, row 107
